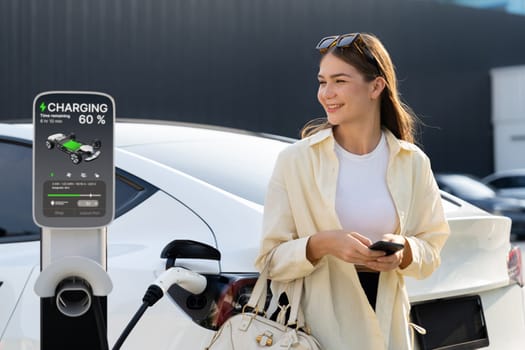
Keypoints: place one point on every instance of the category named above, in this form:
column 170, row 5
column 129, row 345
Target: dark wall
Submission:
column 250, row 64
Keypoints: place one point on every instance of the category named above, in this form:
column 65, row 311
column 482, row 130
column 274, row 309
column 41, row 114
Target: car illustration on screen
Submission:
column 77, row 150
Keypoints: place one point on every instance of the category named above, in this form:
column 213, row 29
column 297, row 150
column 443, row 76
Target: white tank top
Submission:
column 363, row 202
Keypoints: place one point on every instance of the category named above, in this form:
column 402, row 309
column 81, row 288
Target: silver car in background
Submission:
column 508, row 183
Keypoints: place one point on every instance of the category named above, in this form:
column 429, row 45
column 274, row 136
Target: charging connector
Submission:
column 191, row 281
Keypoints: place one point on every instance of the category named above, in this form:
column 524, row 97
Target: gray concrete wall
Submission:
column 251, row 64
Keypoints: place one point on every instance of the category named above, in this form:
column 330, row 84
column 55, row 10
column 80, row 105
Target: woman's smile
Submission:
column 332, row 108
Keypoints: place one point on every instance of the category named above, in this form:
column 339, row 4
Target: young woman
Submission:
column 355, row 178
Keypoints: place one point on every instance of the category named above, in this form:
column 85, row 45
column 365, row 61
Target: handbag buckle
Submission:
column 265, row 339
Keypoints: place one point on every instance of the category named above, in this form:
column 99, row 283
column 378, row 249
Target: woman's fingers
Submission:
column 386, row 263
column 364, row 240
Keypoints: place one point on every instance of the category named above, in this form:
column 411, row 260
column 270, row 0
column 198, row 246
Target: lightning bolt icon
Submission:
column 43, row 106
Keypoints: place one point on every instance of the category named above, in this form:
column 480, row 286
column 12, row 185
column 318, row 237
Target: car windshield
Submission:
column 509, row 182
column 465, row 186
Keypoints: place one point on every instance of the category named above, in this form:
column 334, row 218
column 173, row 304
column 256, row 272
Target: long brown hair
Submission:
column 396, row 116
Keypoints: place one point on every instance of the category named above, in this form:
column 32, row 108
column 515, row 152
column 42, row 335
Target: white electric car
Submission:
column 192, row 196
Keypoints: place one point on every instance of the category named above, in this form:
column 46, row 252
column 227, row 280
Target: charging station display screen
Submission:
column 73, row 169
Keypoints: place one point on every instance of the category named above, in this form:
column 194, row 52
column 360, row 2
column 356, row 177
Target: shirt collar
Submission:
column 321, row 136
column 393, row 142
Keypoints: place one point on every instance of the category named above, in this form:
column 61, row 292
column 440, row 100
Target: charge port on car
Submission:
column 196, row 302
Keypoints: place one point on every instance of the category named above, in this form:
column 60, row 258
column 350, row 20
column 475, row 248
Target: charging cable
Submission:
column 191, row 281
column 101, row 324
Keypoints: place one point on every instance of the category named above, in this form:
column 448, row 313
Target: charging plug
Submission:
column 191, row 281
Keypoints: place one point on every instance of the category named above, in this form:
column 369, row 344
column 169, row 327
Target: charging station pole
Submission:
column 73, row 202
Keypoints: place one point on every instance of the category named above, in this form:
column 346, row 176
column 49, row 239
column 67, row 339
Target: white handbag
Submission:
column 250, row 330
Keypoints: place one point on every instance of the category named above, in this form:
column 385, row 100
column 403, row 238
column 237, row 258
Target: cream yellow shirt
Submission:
column 301, row 201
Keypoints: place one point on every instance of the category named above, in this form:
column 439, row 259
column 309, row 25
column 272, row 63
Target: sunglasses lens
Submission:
column 346, row 41
column 325, row 43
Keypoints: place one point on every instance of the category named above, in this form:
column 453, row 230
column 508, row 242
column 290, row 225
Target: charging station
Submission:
column 73, row 202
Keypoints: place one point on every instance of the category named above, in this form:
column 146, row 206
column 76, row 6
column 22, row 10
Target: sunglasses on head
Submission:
column 345, row 41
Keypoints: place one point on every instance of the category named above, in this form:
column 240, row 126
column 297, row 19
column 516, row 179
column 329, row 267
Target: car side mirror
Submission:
column 188, row 249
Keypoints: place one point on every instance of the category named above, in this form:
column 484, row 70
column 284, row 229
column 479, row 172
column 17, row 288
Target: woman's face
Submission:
column 343, row 92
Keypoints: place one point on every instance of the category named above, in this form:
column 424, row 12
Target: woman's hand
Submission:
column 402, row 258
column 347, row 246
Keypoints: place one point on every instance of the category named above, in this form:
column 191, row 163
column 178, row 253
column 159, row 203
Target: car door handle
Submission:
column 1, row 282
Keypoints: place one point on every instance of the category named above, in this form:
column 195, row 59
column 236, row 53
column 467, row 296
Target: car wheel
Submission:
column 96, row 144
column 75, row 158
column 50, row 144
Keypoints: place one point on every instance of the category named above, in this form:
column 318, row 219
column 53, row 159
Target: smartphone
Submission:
column 388, row 247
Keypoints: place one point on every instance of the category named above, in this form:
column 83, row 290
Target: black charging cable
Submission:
column 101, row 324
column 153, row 294
column 191, row 281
